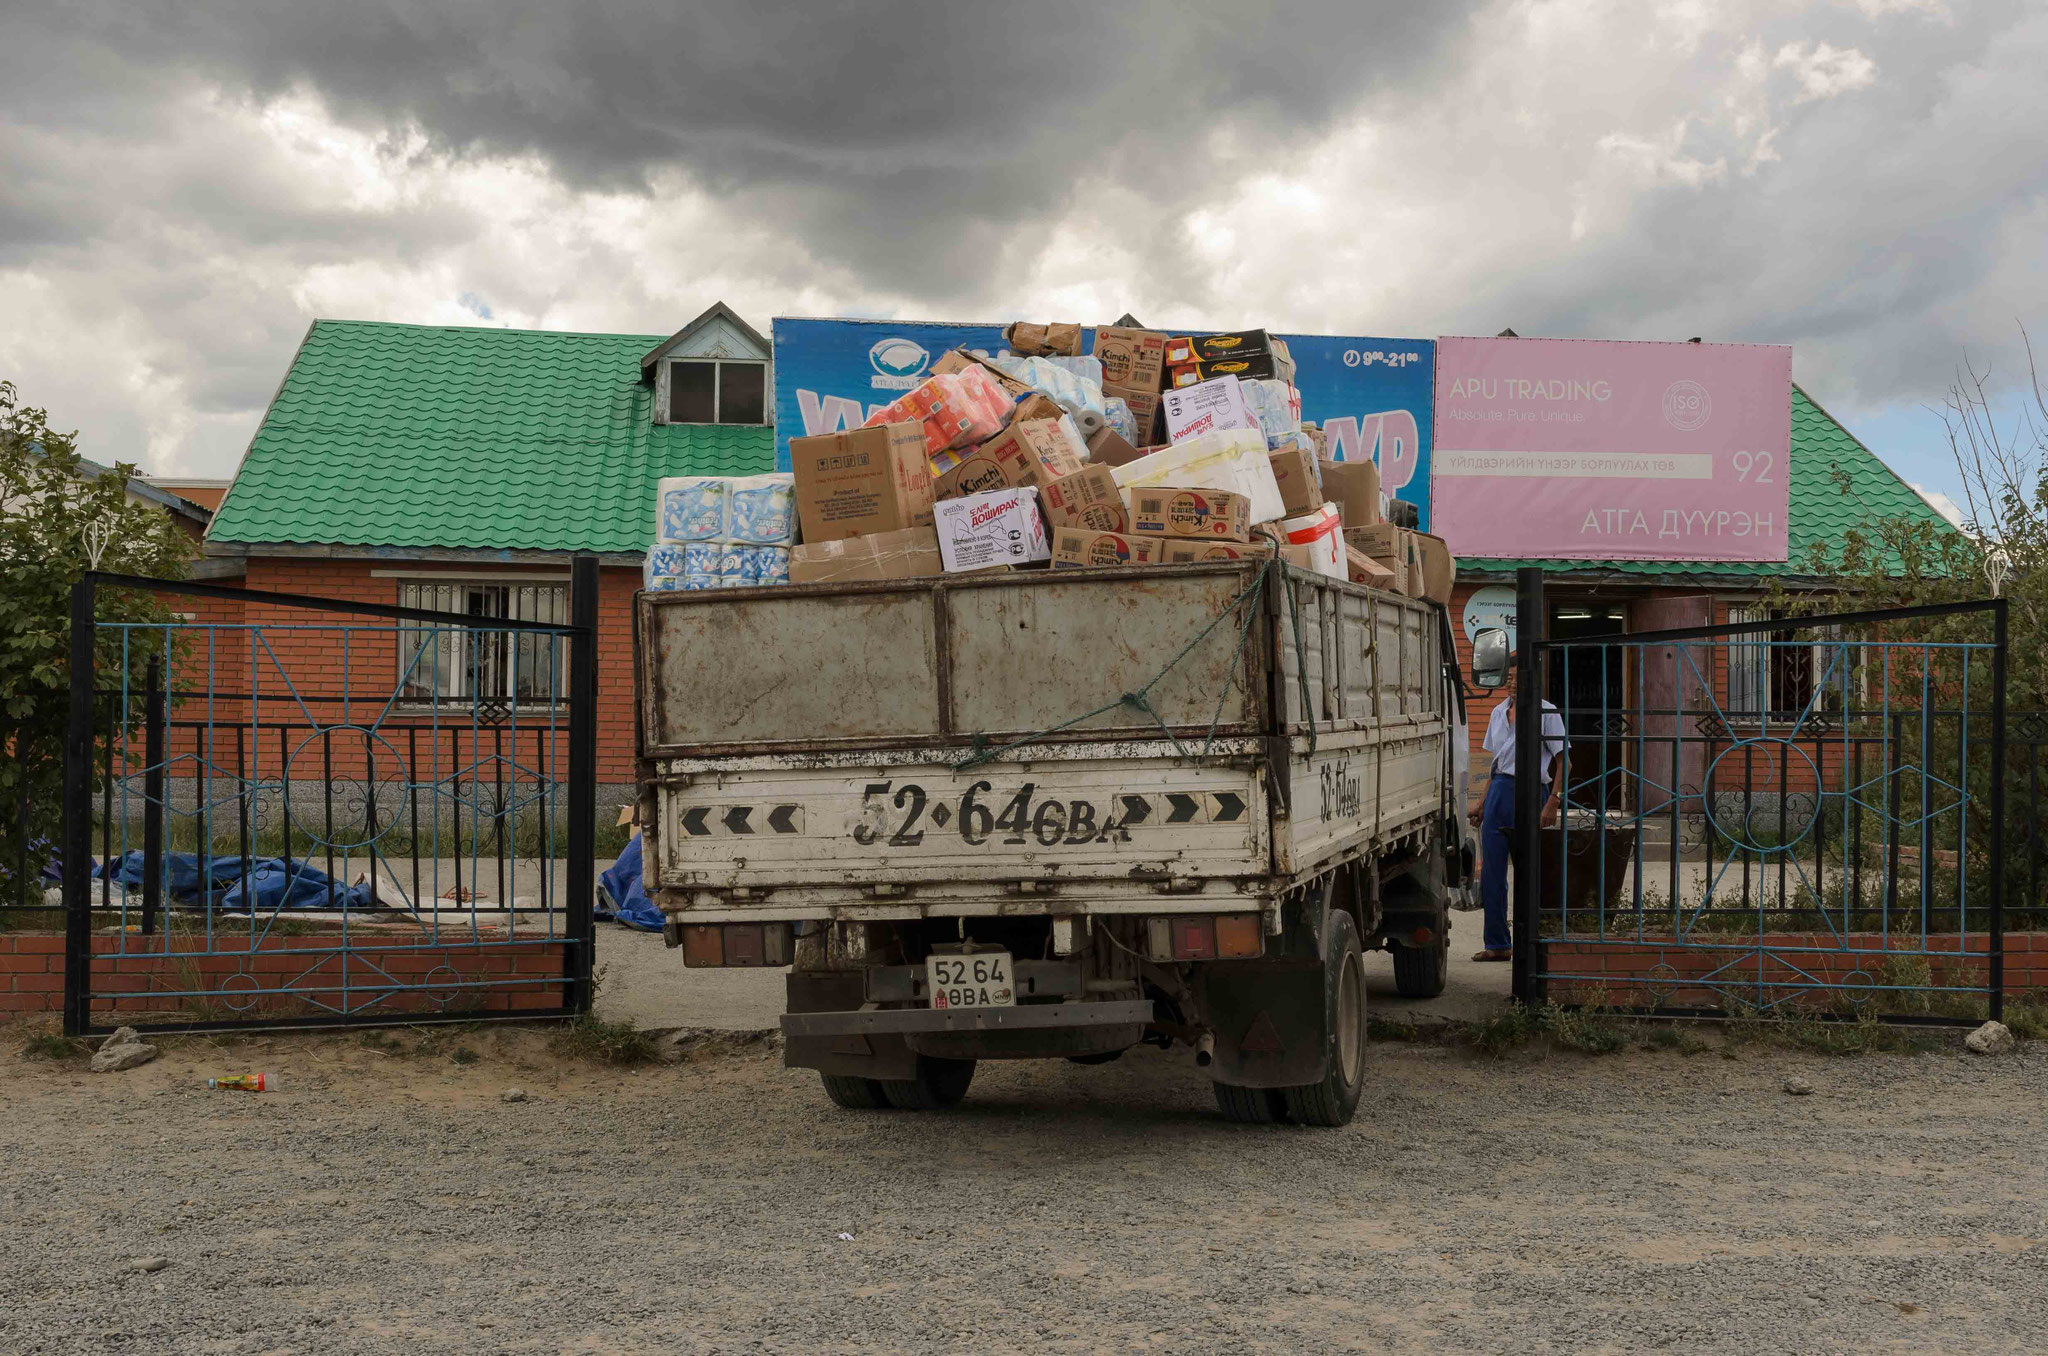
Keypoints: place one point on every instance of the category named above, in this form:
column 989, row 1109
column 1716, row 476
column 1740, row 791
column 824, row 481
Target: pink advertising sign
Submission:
column 1611, row 449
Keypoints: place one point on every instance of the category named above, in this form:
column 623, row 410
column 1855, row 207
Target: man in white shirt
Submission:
column 1495, row 816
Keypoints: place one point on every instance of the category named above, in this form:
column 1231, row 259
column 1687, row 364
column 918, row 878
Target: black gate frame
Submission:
column 579, row 849
column 1533, row 643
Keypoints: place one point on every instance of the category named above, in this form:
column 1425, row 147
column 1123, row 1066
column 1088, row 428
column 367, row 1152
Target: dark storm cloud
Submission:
column 905, row 140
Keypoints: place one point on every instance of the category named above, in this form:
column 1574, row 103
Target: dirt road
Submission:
column 394, row 1202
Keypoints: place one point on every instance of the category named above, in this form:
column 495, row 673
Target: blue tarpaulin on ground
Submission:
column 273, row 882
column 624, row 893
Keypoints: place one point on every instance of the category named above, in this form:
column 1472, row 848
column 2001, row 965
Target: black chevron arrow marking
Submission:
column 1229, row 806
column 735, row 820
column 781, row 817
column 1180, row 808
column 1136, row 810
column 693, row 820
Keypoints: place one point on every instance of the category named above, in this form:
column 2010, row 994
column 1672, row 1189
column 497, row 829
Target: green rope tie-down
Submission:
column 1140, row 700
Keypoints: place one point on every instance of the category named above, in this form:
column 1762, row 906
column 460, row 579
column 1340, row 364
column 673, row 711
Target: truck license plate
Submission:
column 980, row 980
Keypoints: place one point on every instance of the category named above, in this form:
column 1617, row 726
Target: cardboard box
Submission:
column 1076, row 548
column 1209, row 515
column 912, row 553
column 1025, row 339
column 1144, row 409
column 1438, row 567
column 1354, row 487
column 1002, row 527
column 1246, row 365
column 1369, row 572
column 1234, row 345
column 1133, row 358
column 1301, row 483
column 1234, row 460
column 1394, row 548
column 1033, row 452
column 1087, row 499
column 1321, row 535
column 861, row 481
column 1109, row 448
column 1188, row 551
column 1180, row 350
column 1209, row 407
column 1037, row 405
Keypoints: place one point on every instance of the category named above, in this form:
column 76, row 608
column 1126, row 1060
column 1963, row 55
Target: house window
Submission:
column 459, row 664
column 1768, row 672
column 717, row 391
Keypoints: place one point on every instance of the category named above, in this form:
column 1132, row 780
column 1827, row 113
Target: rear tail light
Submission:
column 1197, row 937
column 1423, row 936
column 706, row 945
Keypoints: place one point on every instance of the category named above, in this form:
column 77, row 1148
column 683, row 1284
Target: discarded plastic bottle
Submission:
column 237, row 1083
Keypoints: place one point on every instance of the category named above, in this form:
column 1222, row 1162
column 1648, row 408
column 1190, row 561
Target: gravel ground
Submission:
column 387, row 1201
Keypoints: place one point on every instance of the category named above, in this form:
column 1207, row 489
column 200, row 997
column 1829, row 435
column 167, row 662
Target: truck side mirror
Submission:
column 1490, row 658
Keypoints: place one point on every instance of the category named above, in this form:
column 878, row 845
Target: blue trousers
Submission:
column 1496, row 845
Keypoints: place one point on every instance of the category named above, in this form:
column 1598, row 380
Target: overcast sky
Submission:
column 184, row 186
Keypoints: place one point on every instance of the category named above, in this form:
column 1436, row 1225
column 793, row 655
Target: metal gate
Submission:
column 283, row 810
column 1791, row 816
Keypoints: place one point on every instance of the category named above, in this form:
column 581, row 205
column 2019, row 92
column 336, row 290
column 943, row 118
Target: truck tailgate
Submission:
column 1116, row 812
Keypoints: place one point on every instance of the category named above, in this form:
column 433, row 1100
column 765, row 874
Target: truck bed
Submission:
column 1125, row 740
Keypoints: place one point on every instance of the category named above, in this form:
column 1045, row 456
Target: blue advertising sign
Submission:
column 1371, row 396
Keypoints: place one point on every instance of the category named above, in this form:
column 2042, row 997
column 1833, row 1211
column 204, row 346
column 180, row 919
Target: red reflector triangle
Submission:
column 1261, row 1037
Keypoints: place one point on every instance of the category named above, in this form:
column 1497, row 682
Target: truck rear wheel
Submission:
column 1251, row 1106
column 1332, row 1099
column 940, row 1083
column 1422, row 971
column 855, row 1094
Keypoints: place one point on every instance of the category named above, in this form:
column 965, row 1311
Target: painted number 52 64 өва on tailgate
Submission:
column 901, row 816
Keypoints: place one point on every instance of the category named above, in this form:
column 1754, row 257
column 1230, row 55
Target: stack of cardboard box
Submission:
column 985, row 470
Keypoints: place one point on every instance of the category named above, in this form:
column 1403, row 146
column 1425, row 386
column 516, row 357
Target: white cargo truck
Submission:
column 1055, row 814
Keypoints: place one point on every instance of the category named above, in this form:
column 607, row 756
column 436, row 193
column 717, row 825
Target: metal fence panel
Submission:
column 279, row 821
column 1809, row 819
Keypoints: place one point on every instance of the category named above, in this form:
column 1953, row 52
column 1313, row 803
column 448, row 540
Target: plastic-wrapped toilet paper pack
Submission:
column 1063, row 385
column 1086, row 366
column 754, row 510
column 956, row 409
column 690, row 508
column 667, row 561
column 1117, row 414
column 1273, row 404
column 761, row 510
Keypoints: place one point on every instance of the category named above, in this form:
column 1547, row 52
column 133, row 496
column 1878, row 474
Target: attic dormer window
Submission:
column 717, row 391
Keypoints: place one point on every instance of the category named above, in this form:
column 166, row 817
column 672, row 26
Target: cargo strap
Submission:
column 1140, row 700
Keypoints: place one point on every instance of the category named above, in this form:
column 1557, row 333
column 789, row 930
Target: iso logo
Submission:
column 1687, row 405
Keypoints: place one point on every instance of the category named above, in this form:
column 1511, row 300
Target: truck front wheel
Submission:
column 1332, row 1099
column 940, row 1083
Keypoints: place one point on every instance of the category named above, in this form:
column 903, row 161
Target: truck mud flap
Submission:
column 853, row 1054
column 1267, row 1018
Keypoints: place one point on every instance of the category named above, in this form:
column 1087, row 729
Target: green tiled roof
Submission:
column 492, row 439
column 1822, row 509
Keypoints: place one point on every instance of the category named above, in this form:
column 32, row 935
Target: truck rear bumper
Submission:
column 919, row 1021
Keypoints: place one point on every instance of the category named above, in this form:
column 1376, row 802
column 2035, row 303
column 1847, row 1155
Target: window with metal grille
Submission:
column 440, row 665
column 717, row 391
column 1770, row 672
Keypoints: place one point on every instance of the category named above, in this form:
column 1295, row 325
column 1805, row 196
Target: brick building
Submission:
column 459, row 469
